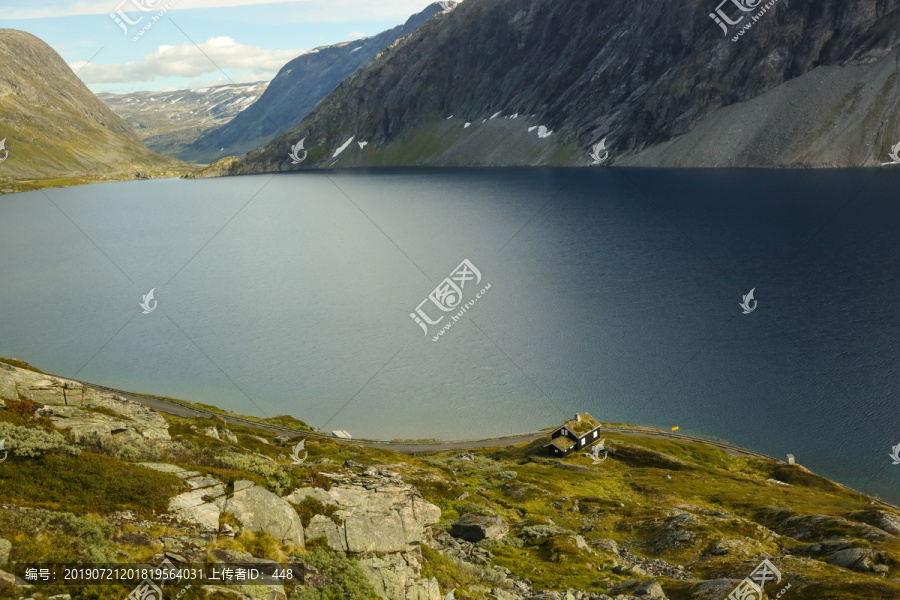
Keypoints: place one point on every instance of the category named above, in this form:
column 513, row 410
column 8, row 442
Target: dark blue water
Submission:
column 611, row 291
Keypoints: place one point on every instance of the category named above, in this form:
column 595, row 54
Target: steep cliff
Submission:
column 535, row 82
column 296, row 90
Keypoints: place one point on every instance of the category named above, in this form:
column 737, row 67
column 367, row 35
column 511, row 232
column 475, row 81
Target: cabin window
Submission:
column 595, row 435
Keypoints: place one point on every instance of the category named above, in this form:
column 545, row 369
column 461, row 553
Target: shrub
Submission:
column 132, row 447
column 507, row 475
column 449, row 573
column 261, row 545
column 489, row 544
column 92, row 536
column 310, row 507
column 22, row 412
column 276, row 476
column 470, row 507
column 32, row 442
column 537, row 532
column 348, row 580
column 89, row 483
column 48, row 537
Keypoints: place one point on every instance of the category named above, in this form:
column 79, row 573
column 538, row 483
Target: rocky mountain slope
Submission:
column 167, row 122
column 539, row 82
column 90, row 477
column 54, row 127
column 296, row 90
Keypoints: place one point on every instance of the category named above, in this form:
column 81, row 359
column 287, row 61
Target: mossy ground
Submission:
column 629, row 498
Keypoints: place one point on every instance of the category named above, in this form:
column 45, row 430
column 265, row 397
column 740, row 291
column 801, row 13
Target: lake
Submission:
column 611, row 291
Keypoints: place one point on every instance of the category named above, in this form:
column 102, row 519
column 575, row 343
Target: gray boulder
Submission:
column 5, row 547
column 378, row 514
column 61, row 393
column 714, row 589
column 396, row 577
column 202, row 504
column 886, row 521
column 476, row 527
column 651, row 590
column 7, row 583
column 862, row 560
column 258, row 509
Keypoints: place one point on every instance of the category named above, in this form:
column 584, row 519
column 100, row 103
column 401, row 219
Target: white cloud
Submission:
column 332, row 11
column 186, row 60
column 356, row 34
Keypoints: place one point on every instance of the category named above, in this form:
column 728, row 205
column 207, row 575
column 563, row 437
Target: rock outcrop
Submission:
column 379, row 513
column 255, row 508
column 396, row 577
column 69, row 403
column 202, row 504
column 258, row 509
column 885, row 521
column 476, row 527
column 816, row 527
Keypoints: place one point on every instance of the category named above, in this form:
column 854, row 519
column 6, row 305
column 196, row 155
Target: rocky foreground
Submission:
column 91, row 477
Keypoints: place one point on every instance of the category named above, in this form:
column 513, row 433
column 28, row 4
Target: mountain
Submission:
column 295, row 91
column 54, row 127
column 169, row 121
column 541, row 82
column 103, row 478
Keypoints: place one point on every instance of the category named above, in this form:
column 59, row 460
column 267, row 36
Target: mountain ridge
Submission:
column 167, row 122
column 295, row 91
column 638, row 77
column 56, row 128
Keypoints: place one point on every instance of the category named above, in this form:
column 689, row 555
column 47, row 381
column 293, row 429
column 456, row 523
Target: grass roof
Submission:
column 562, row 442
column 587, row 423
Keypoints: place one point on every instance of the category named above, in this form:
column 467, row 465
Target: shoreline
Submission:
column 183, row 408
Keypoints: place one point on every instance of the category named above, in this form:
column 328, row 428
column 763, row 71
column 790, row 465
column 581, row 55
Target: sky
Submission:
column 194, row 43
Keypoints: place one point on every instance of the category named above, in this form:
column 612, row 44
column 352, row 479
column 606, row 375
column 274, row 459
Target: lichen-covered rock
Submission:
column 379, row 513
column 66, row 396
column 651, row 590
column 5, row 547
column 202, row 504
column 862, row 560
column 817, row 527
column 7, row 582
column 476, row 527
column 886, row 521
column 714, row 589
column 257, row 591
column 396, row 577
column 258, row 509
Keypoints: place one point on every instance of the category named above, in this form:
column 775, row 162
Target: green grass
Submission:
column 89, row 483
column 20, row 364
column 310, row 507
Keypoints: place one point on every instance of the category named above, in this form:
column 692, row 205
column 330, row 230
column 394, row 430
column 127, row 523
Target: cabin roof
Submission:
column 563, row 443
column 582, row 424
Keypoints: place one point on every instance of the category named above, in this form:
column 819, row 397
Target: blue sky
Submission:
column 195, row 43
